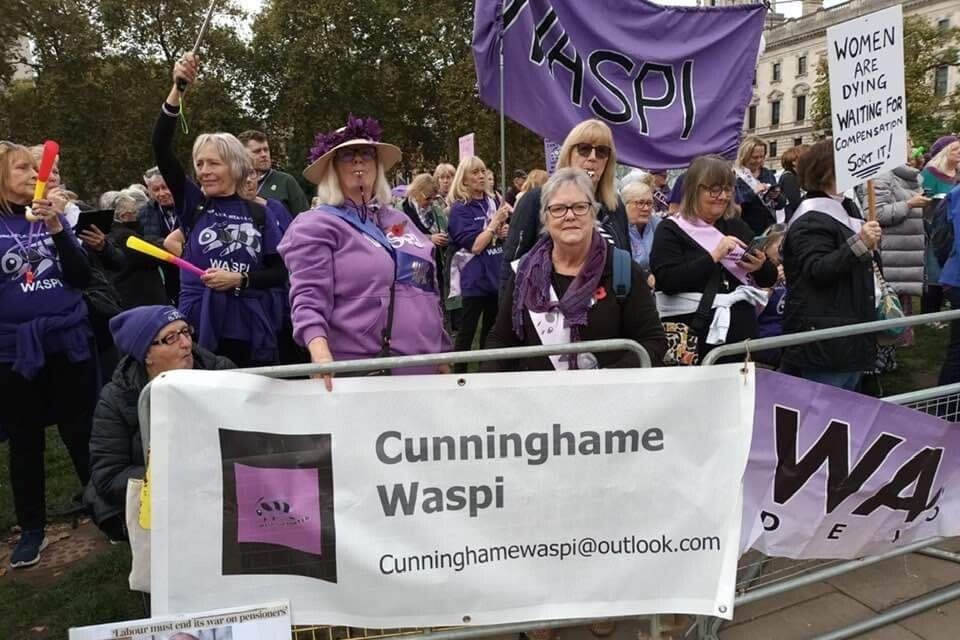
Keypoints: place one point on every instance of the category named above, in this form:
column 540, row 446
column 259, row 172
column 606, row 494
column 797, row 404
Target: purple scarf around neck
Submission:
column 533, row 285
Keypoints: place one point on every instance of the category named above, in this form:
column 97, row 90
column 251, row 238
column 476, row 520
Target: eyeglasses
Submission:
column 351, row 153
column 560, row 210
column 174, row 337
column 716, row 190
column 643, row 204
column 584, row 150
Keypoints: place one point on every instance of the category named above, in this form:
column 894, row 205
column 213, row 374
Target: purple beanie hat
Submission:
column 941, row 144
column 135, row 329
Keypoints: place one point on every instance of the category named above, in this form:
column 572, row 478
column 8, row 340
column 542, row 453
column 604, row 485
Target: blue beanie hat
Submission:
column 134, row 330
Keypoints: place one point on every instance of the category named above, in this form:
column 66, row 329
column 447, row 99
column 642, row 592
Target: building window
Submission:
column 773, row 149
column 776, row 72
column 940, row 81
column 752, row 117
column 802, row 66
column 797, row 142
column 775, row 113
column 801, row 110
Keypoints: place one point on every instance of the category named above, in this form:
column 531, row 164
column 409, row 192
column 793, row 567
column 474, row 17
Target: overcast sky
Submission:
column 790, row 8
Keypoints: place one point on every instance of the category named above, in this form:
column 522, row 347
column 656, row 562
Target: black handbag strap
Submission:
column 701, row 318
column 387, row 332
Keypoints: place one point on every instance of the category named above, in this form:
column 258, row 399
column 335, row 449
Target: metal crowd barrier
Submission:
column 397, row 362
column 805, row 337
column 755, row 580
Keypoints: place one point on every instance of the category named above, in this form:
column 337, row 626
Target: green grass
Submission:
column 93, row 592
column 62, row 482
column 919, row 365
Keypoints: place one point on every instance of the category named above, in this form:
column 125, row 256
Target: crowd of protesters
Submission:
column 730, row 252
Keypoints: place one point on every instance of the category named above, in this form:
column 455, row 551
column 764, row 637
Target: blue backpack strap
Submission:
column 622, row 272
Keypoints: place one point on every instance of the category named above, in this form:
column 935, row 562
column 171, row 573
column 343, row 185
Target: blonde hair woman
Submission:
column 535, row 179
column 48, row 366
column 589, row 147
column 443, row 174
column 759, row 194
column 476, row 227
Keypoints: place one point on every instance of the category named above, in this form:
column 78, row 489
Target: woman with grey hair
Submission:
column 562, row 290
column 710, row 272
column 237, row 304
column 139, row 282
column 637, row 196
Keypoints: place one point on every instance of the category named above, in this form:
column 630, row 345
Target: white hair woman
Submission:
column 563, row 289
column 589, row 146
column 363, row 281
column 139, row 282
column 237, row 304
column 638, row 199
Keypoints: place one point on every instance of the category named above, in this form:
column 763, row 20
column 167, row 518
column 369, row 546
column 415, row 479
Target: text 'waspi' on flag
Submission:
column 672, row 82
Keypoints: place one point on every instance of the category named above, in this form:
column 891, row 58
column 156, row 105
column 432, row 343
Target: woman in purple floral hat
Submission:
column 363, row 281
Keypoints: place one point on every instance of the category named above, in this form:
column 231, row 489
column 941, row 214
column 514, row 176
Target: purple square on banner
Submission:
column 278, row 506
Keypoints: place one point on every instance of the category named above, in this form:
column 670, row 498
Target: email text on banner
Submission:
column 392, row 447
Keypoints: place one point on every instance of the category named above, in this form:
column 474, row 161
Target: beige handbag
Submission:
column 139, row 539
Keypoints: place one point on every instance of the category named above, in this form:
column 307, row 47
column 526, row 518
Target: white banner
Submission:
column 427, row 501
column 867, row 96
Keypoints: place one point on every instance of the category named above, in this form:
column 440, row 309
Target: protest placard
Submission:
column 270, row 621
column 466, row 146
column 867, row 98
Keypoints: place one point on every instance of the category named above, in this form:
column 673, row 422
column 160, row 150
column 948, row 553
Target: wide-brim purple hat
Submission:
column 941, row 144
column 358, row 132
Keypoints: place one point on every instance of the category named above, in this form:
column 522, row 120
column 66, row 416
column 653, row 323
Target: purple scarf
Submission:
column 534, row 281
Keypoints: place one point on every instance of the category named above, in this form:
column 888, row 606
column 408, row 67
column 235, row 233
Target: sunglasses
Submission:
column 584, row 150
column 174, row 336
column 560, row 210
column 352, row 153
column 716, row 190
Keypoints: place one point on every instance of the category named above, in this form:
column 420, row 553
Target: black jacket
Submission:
column 830, row 283
column 525, row 231
column 633, row 319
column 680, row 265
column 139, row 283
column 790, row 186
column 116, row 451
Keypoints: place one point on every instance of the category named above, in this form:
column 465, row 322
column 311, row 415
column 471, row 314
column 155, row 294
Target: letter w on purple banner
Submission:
column 672, row 82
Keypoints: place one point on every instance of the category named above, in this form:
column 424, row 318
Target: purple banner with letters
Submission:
column 835, row 474
column 672, row 82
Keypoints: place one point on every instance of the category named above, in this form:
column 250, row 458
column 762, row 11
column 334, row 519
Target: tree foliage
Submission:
column 102, row 67
column 926, row 47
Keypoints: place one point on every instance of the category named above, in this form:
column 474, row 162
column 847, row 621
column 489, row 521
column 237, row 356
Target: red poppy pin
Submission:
column 600, row 294
column 396, row 230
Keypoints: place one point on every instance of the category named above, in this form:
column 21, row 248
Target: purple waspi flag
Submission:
column 672, row 82
column 836, row 474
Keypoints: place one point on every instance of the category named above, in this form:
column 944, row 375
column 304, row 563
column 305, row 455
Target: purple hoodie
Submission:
column 340, row 285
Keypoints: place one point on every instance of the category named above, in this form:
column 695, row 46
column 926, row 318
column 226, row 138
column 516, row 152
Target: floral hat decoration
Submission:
column 358, row 132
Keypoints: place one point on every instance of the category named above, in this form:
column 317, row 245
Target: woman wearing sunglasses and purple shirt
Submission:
column 589, row 146
column 363, row 281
